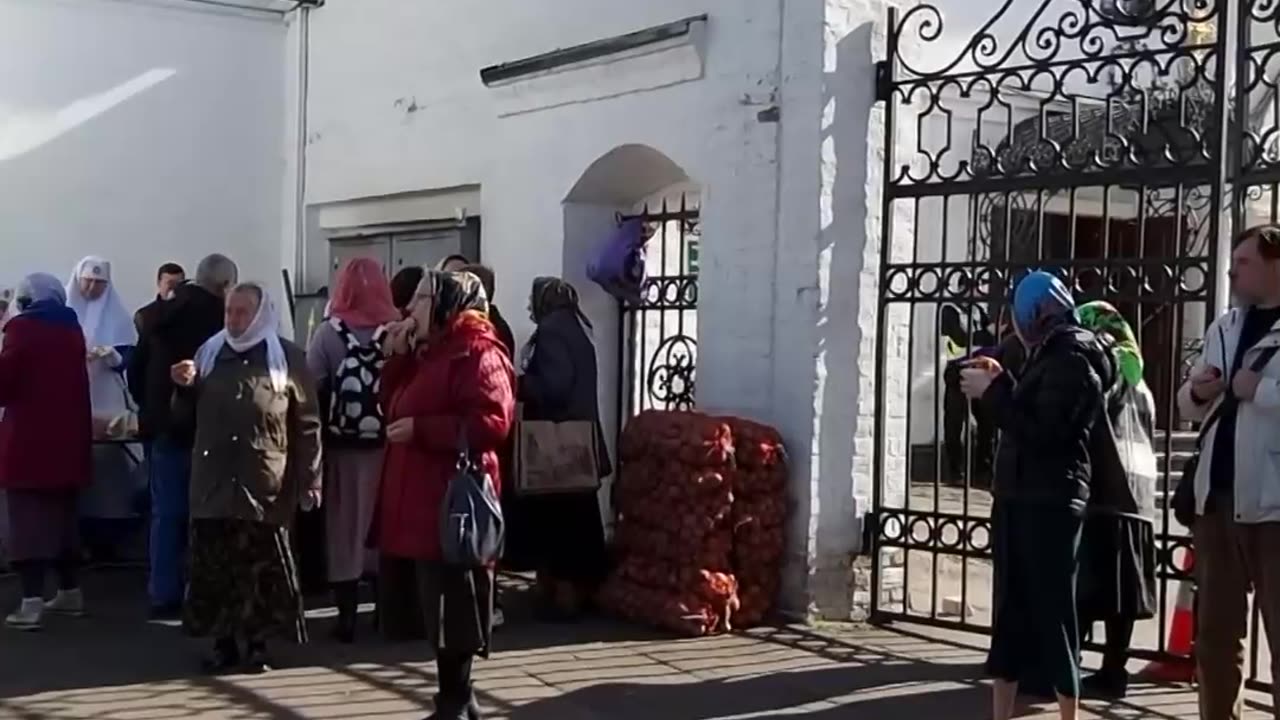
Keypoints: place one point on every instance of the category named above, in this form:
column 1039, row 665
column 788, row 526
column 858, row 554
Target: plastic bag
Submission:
column 1126, row 471
column 619, row 266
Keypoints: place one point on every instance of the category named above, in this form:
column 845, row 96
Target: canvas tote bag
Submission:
column 556, row 457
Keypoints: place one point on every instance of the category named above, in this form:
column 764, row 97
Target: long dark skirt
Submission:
column 1036, row 633
column 457, row 608
column 43, row 525
column 244, row 583
column 1117, row 568
column 561, row 535
column 399, row 600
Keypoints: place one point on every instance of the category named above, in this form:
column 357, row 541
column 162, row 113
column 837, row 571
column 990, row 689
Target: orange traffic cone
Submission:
column 1181, row 636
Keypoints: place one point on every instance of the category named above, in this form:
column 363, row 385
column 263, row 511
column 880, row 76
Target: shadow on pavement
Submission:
column 117, row 645
column 870, row 682
column 596, row 669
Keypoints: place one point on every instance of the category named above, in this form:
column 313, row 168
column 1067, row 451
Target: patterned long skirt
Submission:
column 244, row 582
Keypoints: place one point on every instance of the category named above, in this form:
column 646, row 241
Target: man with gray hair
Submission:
column 194, row 315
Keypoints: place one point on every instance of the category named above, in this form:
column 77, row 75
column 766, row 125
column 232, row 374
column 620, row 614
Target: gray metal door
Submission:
column 424, row 248
column 341, row 250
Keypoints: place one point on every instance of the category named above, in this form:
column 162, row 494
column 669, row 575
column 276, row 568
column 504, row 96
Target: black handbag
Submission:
column 1184, row 495
column 472, row 528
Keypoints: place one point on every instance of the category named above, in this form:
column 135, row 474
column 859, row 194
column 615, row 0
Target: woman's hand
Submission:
column 400, row 431
column 399, row 337
column 976, row 378
column 311, row 499
column 183, row 374
column 104, row 352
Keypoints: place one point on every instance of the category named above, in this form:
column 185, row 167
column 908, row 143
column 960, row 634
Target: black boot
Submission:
column 225, row 657
column 457, row 700
column 257, row 662
column 346, row 596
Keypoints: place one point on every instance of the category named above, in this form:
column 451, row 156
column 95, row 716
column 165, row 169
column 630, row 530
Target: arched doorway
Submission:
column 647, row 351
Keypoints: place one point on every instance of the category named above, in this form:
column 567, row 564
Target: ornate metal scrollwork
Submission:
column 672, row 369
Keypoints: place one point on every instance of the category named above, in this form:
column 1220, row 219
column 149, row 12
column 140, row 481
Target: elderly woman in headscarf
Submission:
column 45, row 437
column 1117, row 548
column 111, row 503
column 1047, row 418
column 256, row 459
column 346, row 354
column 564, row 532
column 447, row 381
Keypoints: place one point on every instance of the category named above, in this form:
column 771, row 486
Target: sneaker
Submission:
column 67, row 602
column 28, row 616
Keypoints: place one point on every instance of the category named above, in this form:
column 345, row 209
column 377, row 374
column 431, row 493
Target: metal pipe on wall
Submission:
column 300, row 199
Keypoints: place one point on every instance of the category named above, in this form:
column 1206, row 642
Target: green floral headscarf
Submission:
column 1102, row 317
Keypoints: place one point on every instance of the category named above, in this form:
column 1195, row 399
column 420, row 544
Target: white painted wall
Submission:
column 184, row 158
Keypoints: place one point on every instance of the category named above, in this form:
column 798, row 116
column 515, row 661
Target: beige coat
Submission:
column 256, row 451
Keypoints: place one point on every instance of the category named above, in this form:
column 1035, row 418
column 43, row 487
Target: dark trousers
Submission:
column 454, row 671
column 170, row 489
column 1231, row 558
column 32, row 574
column 399, row 599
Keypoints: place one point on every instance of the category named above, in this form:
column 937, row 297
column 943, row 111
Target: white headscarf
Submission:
column 105, row 321
column 264, row 328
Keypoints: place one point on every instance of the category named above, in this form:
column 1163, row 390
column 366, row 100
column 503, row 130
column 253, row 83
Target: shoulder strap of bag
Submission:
column 1264, row 357
column 344, row 332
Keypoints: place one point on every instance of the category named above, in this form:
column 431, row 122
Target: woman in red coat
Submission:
column 448, row 376
column 45, row 444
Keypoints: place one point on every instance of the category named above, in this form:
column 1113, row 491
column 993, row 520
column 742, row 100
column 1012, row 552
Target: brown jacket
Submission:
column 256, row 451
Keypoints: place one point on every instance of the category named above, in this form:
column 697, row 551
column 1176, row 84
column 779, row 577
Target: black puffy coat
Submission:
column 1048, row 418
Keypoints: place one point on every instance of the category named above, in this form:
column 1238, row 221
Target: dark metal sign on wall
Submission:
column 1114, row 142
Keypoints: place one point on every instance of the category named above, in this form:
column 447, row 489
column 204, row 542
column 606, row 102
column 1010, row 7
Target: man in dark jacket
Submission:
column 961, row 426
column 174, row 334
column 168, row 278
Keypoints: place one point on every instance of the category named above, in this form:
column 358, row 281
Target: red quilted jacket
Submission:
column 461, row 376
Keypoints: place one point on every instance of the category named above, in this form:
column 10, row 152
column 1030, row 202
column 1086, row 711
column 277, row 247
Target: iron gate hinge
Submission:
column 884, row 80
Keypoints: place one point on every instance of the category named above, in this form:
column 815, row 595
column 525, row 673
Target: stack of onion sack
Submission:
column 674, row 532
column 759, row 516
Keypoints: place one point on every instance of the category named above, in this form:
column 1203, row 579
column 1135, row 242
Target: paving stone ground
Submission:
column 116, row 665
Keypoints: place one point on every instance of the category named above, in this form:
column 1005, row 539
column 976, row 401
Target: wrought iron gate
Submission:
column 1117, row 142
column 658, row 336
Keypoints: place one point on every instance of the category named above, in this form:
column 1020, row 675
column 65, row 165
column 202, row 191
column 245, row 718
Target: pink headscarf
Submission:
column 362, row 295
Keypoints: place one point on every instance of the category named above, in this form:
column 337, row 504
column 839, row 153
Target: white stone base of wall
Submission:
column 893, row 583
